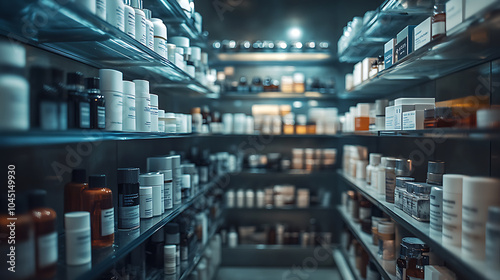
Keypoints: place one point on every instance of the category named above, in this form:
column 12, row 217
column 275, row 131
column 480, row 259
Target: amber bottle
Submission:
column 98, row 201
column 73, row 191
column 24, row 238
column 45, row 219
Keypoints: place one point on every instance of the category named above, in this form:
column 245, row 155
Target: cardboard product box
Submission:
column 404, row 43
column 413, row 120
column 389, row 48
column 455, row 13
column 423, row 33
column 399, row 110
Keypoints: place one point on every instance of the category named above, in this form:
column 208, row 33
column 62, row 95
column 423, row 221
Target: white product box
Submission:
column 389, row 118
column 399, row 110
column 358, row 73
column 389, row 53
column 413, row 120
column 454, row 13
column 474, row 6
column 367, row 65
column 423, row 33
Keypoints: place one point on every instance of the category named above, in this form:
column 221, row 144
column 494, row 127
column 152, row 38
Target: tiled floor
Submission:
column 285, row 273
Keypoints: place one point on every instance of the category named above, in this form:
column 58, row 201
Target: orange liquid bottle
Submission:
column 73, row 191
column 45, row 219
column 98, row 201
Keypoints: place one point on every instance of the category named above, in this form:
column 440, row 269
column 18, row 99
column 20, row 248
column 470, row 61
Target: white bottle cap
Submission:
column 128, row 88
column 161, row 114
column 141, row 88
column 159, row 164
column 176, row 161
column 159, row 28
column 180, row 41
column 186, row 181
column 12, row 54
column 154, row 100
column 151, row 179
column 169, row 249
column 452, row 183
column 374, row 158
column 363, row 110
column 111, row 80
column 195, row 53
column 77, row 220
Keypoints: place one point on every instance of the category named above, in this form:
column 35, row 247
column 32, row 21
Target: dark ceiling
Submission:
column 271, row 19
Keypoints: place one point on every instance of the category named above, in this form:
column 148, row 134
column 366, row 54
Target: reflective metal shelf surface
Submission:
column 473, row 42
column 125, row 241
column 468, row 268
column 309, row 95
column 70, row 31
column 445, row 133
column 276, row 58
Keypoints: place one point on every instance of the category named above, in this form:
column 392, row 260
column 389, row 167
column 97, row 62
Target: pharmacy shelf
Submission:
column 286, row 172
column 72, row 32
column 273, row 58
column 125, row 241
column 287, row 208
column 345, row 265
column 462, row 266
column 447, row 133
column 471, row 43
column 390, row 18
column 308, row 95
column 365, row 240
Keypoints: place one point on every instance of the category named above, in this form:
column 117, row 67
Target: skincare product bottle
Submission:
column 78, row 238
column 129, row 114
column 150, row 30
column 112, row 89
column 128, row 198
column 142, row 106
column 154, row 180
column 140, row 22
column 129, row 18
column 73, row 190
column 115, row 13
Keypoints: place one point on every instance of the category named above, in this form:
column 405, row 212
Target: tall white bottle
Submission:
column 140, row 22
column 150, row 30
column 129, row 17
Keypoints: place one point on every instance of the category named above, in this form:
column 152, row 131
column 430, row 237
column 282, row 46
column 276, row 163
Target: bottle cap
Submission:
column 195, row 53
column 413, row 243
column 129, row 88
column 79, row 176
column 13, row 54
column 160, row 30
column 111, row 80
column 154, row 100
column 36, row 198
column 385, row 227
column 437, row 193
column 375, row 158
column 494, row 215
column 92, row 83
column 453, row 183
column 186, row 181
column 97, row 181
column 159, row 164
column 141, row 88
column 169, row 249
column 147, row 13
column 151, row 179
column 180, row 41
column 401, row 180
column 128, row 176
column 176, row 161
column 77, row 220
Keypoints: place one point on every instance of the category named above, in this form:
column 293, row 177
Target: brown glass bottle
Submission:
column 73, row 191
column 24, row 238
column 98, row 200
column 45, row 219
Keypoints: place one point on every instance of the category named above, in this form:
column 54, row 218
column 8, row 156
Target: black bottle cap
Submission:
column 172, row 228
column 36, row 198
column 79, row 176
column 92, row 83
column 74, row 78
column 97, row 181
column 128, row 176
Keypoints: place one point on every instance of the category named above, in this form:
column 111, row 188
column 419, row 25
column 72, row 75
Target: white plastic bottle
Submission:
column 140, row 22
column 115, row 13
column 100, row 8
column 78, row 242
column 112, row 89
column 160, row 37
column 142, row 106
column 129, row 18
column 128, row 106
column 154, row 112
column 150, row 30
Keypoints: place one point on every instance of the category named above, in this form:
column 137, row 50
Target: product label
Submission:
column 131, row 107
column 101, row 8
column 438, row 28
column 177, row 186
column 146, row 206
column 401, row 51
column 107, row 221
column 452, row 208
column 130, row 26
column 409, row 120
column 454, row 13
column 142, row 35
column 423, row 33
column 150, row 37
column 47, row 249
column 120, row 18
column 84, row 115
column 390, row 185
column 168, row 195
column 162, row 194
column 79, row 247
column 101, row 117
column 128, row 211
column 48, row 115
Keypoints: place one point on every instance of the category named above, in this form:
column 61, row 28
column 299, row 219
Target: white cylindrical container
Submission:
column 128, row 106
column 154, row 112
column 89, row 5
column 142, row 106
column 150, row 30
column 250, row 198
column 240, row 198
column 78, row 241
column 493, row 238
column 361, row 169
column 250, row 125
column 227, row 121
column 146, row 201
column 140, row 22
column 112, row 89
column 230, row 199
column 479, row 193
column 452, row 209
column 164, row 166
column 436, row 211
column 170, row 123
column 169, row 259
column 261, row 199
column 129, row 19
column 160, row 37
column 177, row 180
column 189, row 123
column 115, row 13
column 232, row 239
column 179, row 41
column 239, row 123
column 171, row 52
column 161, row 121
column 100, row 9
column 154, row 180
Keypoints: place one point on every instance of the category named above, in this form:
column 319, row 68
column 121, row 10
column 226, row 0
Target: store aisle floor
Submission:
column 266, row 273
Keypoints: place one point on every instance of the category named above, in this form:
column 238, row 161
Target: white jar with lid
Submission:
column 154, row 112
column 161, row 121
column 78, row 240
column 112, row 89
column 452, row 209
column 154, row 180
column 128, row 106
column 142, row 106
column 115, row 13
column 160, row 37
column 129, row 19
column 479, row 193
column 170, row 123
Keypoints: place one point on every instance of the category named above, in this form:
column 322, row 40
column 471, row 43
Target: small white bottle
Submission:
column 169, row 258
column 150, row 30
column 142, row 106
column 128, row 106
column 100, row 9
column 78, row 242
column 115, row 13
column 154, row 112
column 161, row 121
column 129, row 18
column 155, row 181
column 140, row 22
column 160, row 37
column 112, row 89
